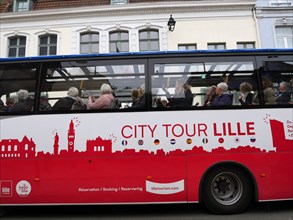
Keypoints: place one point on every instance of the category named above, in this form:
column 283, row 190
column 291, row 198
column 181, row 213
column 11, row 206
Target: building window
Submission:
column 118, row 2
column 216, row 46
column 48, row 45
column 89, row 43
column 22, row 5
column 119, row 41
column 284, row 36
column 280, row 3
column 245, row 45
column 187, row 47
column 16, row 46
column 149, row 40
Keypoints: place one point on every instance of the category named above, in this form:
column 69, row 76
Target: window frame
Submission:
column 26, row 76
column 119, row 41
column 187, row 46
column 16, row 4
column 90, row 42
column 216, row 45
column 118, row 2
column 189, row 60
column 18, row 46
column 89, row 83
column 245, row 45
column 280, row 3
column 285, row 38
column 48, row 45
column 149, row 39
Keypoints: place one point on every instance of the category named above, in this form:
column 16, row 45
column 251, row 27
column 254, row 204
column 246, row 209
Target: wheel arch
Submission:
column 229, row 163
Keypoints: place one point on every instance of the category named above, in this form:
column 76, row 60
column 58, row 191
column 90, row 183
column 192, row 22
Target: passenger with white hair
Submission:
column 105, row 100
column 24, row 102
column 222, row 97
column 284, row 95
column 67, row 102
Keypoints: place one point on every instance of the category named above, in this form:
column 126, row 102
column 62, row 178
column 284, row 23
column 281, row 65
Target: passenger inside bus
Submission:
column 284, row 95
column 223, row 98
column 246, row 95
column 44, row 104
column 67, row 102
column 268, row 91
column 182, row 97
column 188, row 94
column 161, row 103
column 9, row 104
column 140, row 103
column 25, row 103
column 135, row 95
column 105, row 100
column 211, row 94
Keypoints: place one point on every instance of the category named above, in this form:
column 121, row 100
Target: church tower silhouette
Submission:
column 56, row 144
column 71, row 137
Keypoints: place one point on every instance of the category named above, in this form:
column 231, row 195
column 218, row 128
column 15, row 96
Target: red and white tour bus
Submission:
column 224, row 156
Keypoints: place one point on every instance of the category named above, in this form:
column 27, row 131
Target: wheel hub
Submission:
column 223, row 185
column 226, row 188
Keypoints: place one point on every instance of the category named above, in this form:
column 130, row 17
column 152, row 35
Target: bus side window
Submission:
column 18, row 85
column 88, row 77
column 277, row 81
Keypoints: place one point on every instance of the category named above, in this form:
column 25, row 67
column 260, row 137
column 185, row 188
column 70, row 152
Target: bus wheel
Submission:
column 227, row 190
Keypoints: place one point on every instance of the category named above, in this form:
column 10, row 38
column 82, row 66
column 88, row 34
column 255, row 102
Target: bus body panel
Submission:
column 124, row 158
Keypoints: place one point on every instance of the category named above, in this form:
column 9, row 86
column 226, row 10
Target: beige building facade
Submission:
column 199, row 25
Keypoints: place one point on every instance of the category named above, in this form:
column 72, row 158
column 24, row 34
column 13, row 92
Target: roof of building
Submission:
column 7, row 5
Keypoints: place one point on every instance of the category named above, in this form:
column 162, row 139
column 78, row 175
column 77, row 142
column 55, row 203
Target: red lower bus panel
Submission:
column 94, row 180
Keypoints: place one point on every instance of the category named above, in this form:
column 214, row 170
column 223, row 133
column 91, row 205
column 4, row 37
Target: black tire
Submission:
column 226, row 190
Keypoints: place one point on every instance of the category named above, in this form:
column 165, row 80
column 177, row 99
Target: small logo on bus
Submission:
column 5, row 187
column 23, row 188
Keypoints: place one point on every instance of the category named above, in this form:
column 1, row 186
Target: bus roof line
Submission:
column 121, row 54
